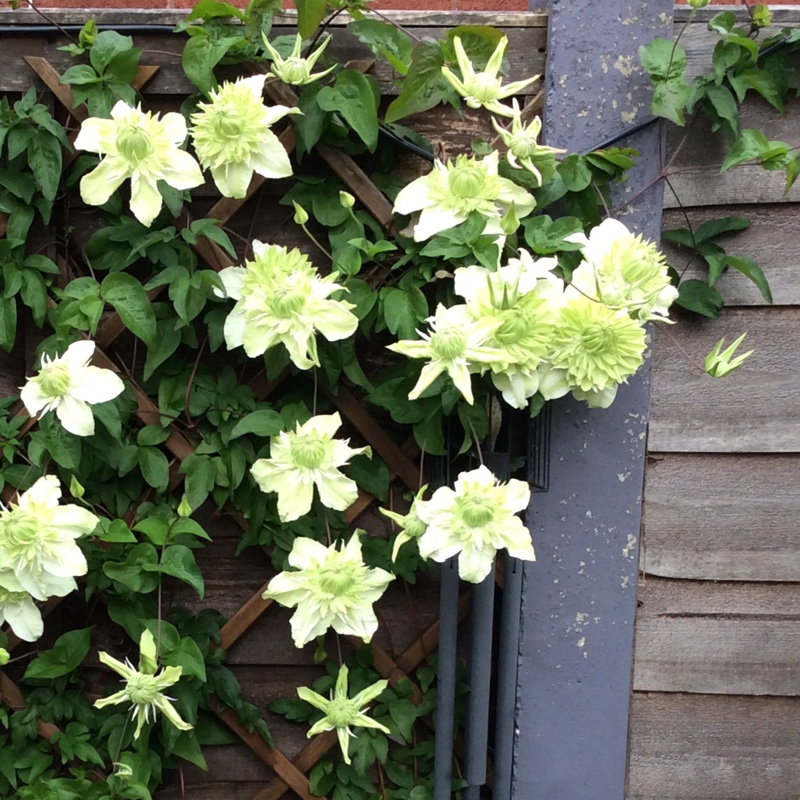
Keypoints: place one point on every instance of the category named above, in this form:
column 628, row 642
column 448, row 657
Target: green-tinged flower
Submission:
column 233, row 138
column 68, row 385
column 474, row 521
column 37, row 540
column 281, row 299
column 296, row 71
column 719, row 364
column 456, row 345
column 523, row 298
column 331, row 589
column 521, row 140
column 140, row 146
column 5, row 656
column 343, row 712
column 411, row 526
column 484, row 89
column 144, row 688
column 308, row 457
column 451, row 191
column 18, row 610
column 597, row 346
column 624, row 271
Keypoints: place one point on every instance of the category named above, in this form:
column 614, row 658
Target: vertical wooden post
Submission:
column 579, row 598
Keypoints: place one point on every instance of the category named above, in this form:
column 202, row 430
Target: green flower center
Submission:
column 227, row 126
column 476, row 511
column 484, row 87
column 7, row 596
column 287, row 301
column 142, row 689
column 308, row 451
column 414, row 526
column 523, row 144
column 515, row 326
column 466, row 182
column 135, row 144
column 20, row 529
column 599, row 338
column 448, row 344
column 342, row 712
column 336, row 580
column 294, row 70
column 54, row 379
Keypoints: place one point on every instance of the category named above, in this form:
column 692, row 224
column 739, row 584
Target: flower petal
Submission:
column 233, row 178
column 97, row 385
column 99, row 184
column 271, row 159
column 146, row 200
column 75, row 416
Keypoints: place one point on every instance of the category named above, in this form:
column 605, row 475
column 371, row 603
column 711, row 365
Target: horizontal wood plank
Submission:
column 722, row 517
column 772, row 241
column 753, row 410
column 695, row 747
column 717, row 638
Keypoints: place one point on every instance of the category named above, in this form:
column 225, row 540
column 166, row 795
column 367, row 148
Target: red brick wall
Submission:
column 420, row 5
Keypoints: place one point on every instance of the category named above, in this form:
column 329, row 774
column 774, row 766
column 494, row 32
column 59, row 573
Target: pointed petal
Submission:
column 344, row 743
column 312, row 698
column 99, row 184
column 174, row 125
column 337, row 491
column 182, row 171
column 496, row 59
column 146, row 200
column 32, row 397
column 96, row 134
column 233, row 179
column 79, row 354
column 97, row 385
column 25, row 619
column 75, row 416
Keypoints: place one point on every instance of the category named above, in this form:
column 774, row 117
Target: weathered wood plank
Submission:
column 754, row 409
column 722, row 517
column 693, row 747
column 717, row 638
column 772, row 241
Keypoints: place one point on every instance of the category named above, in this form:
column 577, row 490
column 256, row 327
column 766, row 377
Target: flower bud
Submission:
column 346, row 199
column 300, row 214
column 184, row 509
column 5, row 656
column 697, row 4
column 75, row 488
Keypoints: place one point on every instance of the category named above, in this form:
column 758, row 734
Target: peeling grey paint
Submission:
column 579, row 597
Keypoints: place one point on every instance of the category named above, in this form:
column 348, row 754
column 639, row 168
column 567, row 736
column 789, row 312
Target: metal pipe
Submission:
column 446, row 681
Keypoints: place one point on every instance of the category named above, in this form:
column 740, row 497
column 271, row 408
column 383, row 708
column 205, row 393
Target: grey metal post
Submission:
column 579, row 597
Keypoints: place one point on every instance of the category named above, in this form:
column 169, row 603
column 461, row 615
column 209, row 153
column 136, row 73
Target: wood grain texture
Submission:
column 695, row 747
column 722, row 517
column 753, row 410
column 772, row 241
column 717, row 638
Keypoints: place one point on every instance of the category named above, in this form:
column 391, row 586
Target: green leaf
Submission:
column 80, row 75
column 723, row 22
column 179, row 562
column 697, row 296
column 309, row 15
column 354, row 97
column 156, row 529
column 213, row 9
column 155, row 467
column 44, row 159
column 310, row 125
column 403, row 311
column 67, row 653
column 189, row 658
column 663, row 59
column 201, row 475
column 385, row 39
column 765, row 85
column 106, row 46
column 201, row 55
column 8, row 322
column 265, row 422
column 130, row 301
column 424, row 86
column 372, row 475
column 114, row 531
column 751, row 145
column 726, row 55
column 152, row 435
column 724, row 104
column 716, row 227
column 168, row 338
column 751, row 270
column 574, row 172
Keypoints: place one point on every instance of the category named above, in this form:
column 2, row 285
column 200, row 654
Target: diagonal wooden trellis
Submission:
column 290, row 775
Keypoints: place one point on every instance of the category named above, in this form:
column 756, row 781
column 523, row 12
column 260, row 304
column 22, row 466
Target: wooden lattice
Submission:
column 289, row 775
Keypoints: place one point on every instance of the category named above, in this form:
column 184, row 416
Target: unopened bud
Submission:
column 300, row 214
column 184, row 509
column 346, row 199
column 75, row 488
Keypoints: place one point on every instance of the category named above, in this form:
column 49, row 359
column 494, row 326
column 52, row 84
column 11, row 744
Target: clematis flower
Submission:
column 457, row 344
column 451, row 191
column 294, row 70
column 343, row 712
column 37, row 540
column 144, row 688
column 330, row 588
column 140, row 146
column 281, row 299
column 595, row 348
column 719, row 364
column 623, row 270
column 233, row 138
column 522, row 142
column 18, row 609
column 523, row 298
column 411, row 526
column 484, row 89
column 305, row 458
column 474, row 521
column 68, row 385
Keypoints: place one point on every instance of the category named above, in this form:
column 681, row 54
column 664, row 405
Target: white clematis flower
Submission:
column 331, row 589
column 144, row 688
column 624, row 271
column 457, row 345
column 37, row 540
column 140, row 146
column 18, row 609
column 303, row 459
column 233, row 138
column 281, row 299
column 294, row 70
column 484, row 89
column 474, row 521
column 68, row 385
column 451, row 191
